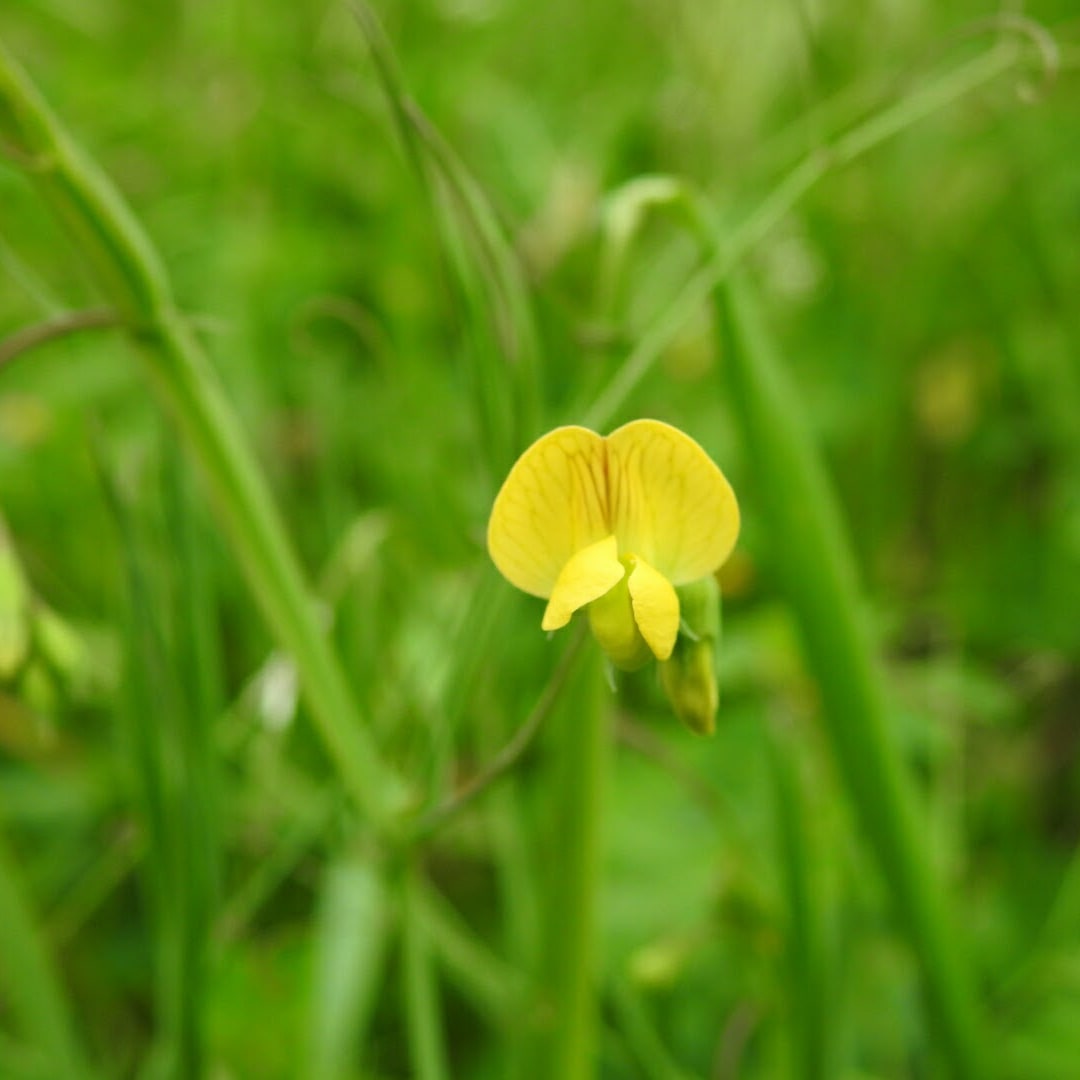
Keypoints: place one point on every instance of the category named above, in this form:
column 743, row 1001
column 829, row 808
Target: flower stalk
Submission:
column 568, row 1000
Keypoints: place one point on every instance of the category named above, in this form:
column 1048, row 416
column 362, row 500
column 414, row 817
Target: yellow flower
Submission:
column 613, row 525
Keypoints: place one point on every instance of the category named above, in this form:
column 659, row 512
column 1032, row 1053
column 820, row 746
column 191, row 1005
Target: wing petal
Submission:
column 553, row 504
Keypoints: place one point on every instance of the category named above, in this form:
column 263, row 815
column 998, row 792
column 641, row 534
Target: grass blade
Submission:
column 350, row 945
column 423, row 1015
column 31, row 987
column 810, row 990
column 817, row 572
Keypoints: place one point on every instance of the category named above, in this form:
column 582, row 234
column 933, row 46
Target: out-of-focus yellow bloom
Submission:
column 613, row 525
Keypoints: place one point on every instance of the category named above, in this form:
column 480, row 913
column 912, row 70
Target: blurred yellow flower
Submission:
column 613, row 525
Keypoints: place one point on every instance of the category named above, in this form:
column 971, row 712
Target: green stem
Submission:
column 584, row 746
column 131, row 273
column 32, row 991
column 817, row 571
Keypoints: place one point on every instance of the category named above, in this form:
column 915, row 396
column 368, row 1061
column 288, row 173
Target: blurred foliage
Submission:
column 925, row 299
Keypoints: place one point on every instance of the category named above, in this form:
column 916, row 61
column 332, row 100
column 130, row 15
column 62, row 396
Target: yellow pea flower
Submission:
column 613, row 525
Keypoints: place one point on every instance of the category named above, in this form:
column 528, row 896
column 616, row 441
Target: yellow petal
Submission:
column 588, row 574
column 656, row 607
column 668, row 502
column 553, row 504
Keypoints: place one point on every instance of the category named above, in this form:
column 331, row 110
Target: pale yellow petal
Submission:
column 551, row 506
column 668, row 502
column 656, row 607
column 588, row 574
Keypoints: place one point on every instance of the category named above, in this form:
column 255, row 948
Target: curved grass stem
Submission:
column 70, row 322
column 131, row 274
column 922, row 102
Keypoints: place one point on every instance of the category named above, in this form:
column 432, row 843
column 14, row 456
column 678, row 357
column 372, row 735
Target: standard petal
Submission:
column 656, row 607
column 668, row 502
column 553, row 504
column 589, row 574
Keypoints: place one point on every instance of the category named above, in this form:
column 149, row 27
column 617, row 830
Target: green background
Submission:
column 394, row 321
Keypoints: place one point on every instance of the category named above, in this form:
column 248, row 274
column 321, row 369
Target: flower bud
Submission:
column 689, row 677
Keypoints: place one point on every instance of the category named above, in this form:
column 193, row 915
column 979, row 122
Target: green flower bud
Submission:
column 689, row 677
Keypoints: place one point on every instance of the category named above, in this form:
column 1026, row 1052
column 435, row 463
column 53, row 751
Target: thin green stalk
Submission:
column 927, row 99
column 192, row 804
column 254, row 892
column 482, row 266
column 423, row 1019
column 641, row 1036
column 31, row 989
column 817, row 571
column 130, row 272
column 578, row 795
column 494, row 988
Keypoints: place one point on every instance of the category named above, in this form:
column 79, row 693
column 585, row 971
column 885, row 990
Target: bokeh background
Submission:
column 924, row 297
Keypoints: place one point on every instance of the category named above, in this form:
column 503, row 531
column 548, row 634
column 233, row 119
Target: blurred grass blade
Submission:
column 810, row 989
column 28, row 983
column 505, row 369
column 351, row 932
column 274, row 868
column 423, row 1011
column 170, row 704
column 641, row 1035
column 193, row 809
column 817, row 571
